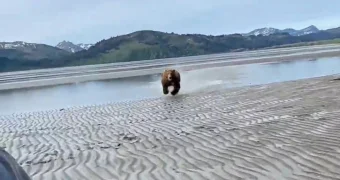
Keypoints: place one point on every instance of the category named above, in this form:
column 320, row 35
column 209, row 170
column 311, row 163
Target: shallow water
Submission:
column 99, row 92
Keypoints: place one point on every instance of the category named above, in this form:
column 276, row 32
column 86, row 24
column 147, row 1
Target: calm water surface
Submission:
column 98, row 92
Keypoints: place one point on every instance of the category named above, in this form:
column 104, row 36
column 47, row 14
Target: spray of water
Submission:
column 199, row 80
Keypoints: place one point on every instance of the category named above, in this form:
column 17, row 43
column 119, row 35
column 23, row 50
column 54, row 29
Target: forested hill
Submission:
column 147, row 44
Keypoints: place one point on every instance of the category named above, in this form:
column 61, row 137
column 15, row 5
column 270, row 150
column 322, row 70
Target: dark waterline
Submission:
column 99, row 92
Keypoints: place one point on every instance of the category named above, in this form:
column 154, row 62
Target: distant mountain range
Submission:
column 269, row 30
column 30, row 51
column 70, row 47
column 148, row 44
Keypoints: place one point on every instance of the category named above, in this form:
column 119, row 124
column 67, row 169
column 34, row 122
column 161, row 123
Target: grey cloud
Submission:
column 51, row 21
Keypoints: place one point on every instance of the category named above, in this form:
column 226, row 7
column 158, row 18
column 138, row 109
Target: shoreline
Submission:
column 207, row 56
column 279, row 130
column 211, row 89
column 151, row 71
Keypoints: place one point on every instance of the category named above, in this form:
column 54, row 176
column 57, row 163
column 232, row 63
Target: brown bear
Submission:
column 171, row 77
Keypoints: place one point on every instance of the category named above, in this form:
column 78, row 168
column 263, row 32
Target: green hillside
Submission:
column 144, row 45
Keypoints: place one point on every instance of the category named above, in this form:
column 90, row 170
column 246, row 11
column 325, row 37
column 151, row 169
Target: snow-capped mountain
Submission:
column 30, row 51
column 309, row 30
column 268, row 31
column 16, row 45
column 70, row 47
column 263, row 31
column 85, row 46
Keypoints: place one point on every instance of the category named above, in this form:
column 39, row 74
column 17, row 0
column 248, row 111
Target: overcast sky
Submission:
column 88, row 21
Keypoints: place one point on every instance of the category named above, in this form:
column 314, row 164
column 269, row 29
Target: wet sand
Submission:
column 287, row 130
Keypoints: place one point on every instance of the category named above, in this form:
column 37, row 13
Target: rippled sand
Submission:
column 279, row 131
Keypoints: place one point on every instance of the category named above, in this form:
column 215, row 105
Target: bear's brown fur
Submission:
column 171, row 77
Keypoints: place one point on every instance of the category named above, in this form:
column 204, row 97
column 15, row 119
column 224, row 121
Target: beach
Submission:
column 287, row 130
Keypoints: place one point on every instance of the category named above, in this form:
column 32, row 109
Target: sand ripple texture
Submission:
column 279, row 131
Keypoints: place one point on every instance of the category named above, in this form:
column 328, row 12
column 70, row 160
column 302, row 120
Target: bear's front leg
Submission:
column 165, row 90
column 177, row 87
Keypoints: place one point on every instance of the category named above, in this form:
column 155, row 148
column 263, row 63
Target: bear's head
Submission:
column 171, row 75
